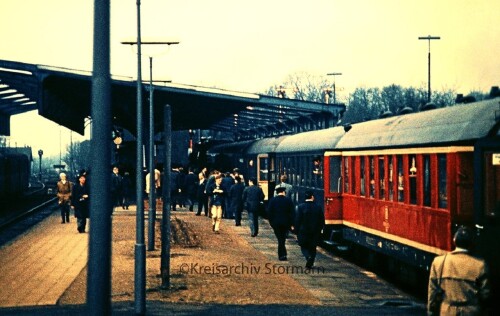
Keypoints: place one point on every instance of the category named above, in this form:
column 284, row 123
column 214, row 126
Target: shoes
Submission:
column 310, row 262
column 63, row 222
column 237, row 224
column 197, row 214
column 283, row 258
column 217, row 232
column 213, row 227
column 253, row 235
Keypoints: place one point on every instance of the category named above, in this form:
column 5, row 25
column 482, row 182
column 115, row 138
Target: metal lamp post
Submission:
column 140, row 255
column 40, row 154
column 429, row 38
column 152, row 192
column 334, row 94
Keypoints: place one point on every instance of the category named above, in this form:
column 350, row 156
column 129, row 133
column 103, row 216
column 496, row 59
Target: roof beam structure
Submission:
column 63, row 96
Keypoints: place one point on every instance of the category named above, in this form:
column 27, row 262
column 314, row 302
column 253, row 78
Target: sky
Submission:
column 250, row 46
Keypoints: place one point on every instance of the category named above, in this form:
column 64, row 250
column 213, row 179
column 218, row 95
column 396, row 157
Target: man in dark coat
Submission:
column 191, row 185
column 227, row 183
column 253, row 196
column 201, row 195
column 175, row 187
column 309, row 224
column 236, row 196
column 80, row 203
column 116, row 187
column 280, row 213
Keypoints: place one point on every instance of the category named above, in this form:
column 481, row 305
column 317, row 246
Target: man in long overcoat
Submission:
column 64, row 188
column 458, row 281
column 80, row 202
column 253, row 196
column 309, row 225
column 280, row 213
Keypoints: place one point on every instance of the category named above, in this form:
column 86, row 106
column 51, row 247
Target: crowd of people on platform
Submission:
column 458, row 282
column 217, row 195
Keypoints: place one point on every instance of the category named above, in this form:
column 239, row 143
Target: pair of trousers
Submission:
column 81, row 223
column 216, row 216
column 281, row 231
column 309, row 253
column 253, row 220
column 64, row 207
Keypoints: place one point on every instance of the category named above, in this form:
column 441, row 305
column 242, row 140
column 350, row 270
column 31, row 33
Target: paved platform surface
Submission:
column 39, row 266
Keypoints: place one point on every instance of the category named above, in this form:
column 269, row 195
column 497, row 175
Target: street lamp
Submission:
column 429, row 38
column 140, row 249
column 40, row 154
column 140, row 266
column 334, row 74
column 151, row 167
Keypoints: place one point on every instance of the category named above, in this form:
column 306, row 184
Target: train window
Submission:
column 305, row 171
column 346, row 174
column 413, row 178
column 317, row 172
column 362, row 176
column 427, row 180
column 391, row 182
column 401, row 180
column 296, row 170
column 263, row 169
column 381, row 177
column 353, row 177
column 335, row 175
column 442, row 181
column 372, row 176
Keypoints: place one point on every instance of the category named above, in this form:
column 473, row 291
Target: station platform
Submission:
column 40, row 266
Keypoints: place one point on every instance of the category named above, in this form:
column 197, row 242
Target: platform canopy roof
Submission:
column 64, row 96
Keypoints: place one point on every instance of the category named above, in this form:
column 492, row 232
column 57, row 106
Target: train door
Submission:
column 487, row 206
column 263, row 174
column 333, row 188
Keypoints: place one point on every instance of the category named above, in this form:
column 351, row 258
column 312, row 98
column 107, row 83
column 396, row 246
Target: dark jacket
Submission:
column 252, row 197
column 191, row 184
column 236, row 196
column 309, row 223
column 80, row 203
column 200, row 191
column 280, row 211
column 116, row 183
column 216, row 198
column 174, row 181
column 227, row 183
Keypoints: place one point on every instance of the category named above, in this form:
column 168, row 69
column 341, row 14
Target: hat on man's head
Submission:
column 280, row 189
column 464, row 237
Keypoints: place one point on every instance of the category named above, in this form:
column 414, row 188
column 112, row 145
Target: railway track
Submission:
column 18, row 215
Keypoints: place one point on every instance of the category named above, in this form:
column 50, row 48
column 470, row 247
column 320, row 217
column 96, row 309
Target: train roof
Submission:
column 266, row 145
column 230, row 148
column 319, row 140
column 24, row 151
column 458, row 124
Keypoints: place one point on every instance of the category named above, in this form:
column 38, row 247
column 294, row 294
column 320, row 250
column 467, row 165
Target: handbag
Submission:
column 435, row 305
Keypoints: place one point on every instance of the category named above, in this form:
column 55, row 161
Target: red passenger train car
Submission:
column 396, row 189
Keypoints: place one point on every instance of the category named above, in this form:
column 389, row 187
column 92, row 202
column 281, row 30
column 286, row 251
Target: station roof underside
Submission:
column 64, row 96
